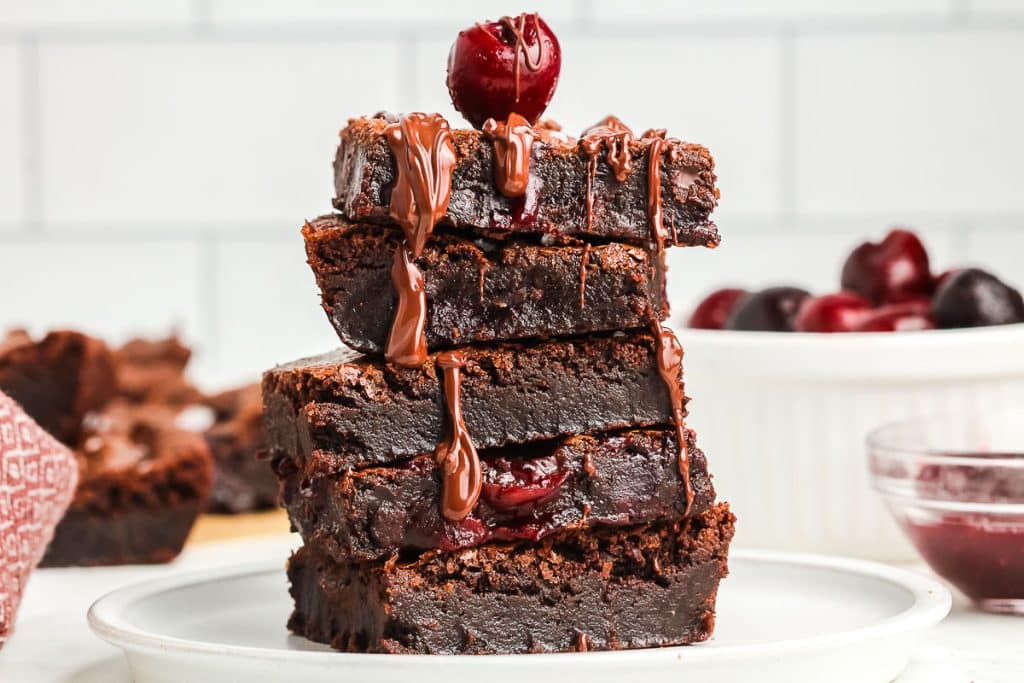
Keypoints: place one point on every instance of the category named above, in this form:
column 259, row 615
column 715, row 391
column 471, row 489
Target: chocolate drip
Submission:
column 615, row 137
column 407, row 342
column 584, row 260
column 670, row 367
column 517, row 27
column 424, row 158
column 513, row 141
column 461, row 475
column 655, row 146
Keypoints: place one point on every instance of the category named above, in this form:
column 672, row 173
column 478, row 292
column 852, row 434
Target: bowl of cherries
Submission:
column 791, row 382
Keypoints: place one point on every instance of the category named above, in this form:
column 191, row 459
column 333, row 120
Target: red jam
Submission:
column 980, row 550
column 981, row 555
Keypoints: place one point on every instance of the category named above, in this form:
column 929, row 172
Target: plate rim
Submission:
column 931, row 603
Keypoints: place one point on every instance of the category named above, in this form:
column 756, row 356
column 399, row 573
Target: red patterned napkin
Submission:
column 37, row 479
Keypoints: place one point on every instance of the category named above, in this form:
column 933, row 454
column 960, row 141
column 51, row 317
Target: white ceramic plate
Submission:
column 781, row 617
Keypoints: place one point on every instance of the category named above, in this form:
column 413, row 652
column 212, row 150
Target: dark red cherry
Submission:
column 906, row 317
column 711, row 313
column 465, row 533
column 840, row 312
column 499, row 67
column 512, row 484
column 769, row 310
column 893, row 268
column 975, row 298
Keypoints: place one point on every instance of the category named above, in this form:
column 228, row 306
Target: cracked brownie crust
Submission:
column 364, row 174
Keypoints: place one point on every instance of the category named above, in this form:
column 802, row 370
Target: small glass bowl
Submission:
column 956, row 487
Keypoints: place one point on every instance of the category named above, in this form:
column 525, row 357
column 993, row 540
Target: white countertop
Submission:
column 53, row 643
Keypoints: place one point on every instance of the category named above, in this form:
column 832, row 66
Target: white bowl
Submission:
column 783, row 420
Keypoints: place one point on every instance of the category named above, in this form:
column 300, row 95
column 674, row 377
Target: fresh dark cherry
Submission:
column 975, row 298
column 712, row 312
column 482, row 69
column 910, row 316
column 513, row 484
column 892, row 269
column 840, row 312
column 769, row 310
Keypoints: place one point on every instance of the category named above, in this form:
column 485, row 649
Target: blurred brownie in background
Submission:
column 142, row 482
column 58, row 379
column 153, row 370
column 142, row 477
column 243, row 482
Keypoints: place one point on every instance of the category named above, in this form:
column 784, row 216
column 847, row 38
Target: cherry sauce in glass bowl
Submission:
column 955, row 485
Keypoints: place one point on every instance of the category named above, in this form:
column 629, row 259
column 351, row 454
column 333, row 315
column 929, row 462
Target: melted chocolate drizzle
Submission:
column 424, row 158
column 670, row 366
column 407, row 343
column 517, row 27
column 614, row 136
column 461, row 475
column 513, row 141
column 584, row 260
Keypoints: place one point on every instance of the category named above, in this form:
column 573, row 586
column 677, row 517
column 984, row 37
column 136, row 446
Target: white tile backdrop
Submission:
column 157, row 158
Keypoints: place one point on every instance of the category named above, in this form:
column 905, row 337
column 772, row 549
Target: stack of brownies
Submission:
column 505, row 469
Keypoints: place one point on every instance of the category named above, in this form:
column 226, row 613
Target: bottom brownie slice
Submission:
column 647, row 586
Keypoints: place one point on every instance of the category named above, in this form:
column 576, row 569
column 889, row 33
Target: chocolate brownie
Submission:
column 154, row 371
column 647, row 586
column 58, row 379
column 358, row 411
column 142, row 481
column 481, row 289
column 561, row 177
column 242, row 480
column 529, row 492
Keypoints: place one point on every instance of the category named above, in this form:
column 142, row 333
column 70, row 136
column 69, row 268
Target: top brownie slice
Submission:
column 555, row 202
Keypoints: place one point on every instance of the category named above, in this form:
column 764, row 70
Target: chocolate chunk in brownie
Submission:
column 142, row 481
column 555, row 200
column 359, row 411
column 529, row 492
column 243, row 481
column 647, row 586
column 154, row 371
column 481, row 289
column 58, row 379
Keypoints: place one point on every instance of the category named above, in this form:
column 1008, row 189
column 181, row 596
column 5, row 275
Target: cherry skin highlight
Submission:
column 975, row 298
column 905, row 317
column 770, row 310
column 890, row 270
column 499, row 67
column 713, row 311
column 840, row 312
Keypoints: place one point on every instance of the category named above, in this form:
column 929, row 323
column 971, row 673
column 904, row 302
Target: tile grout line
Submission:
column 789, row 125
column 202, row 14
column 960, row 11
column 30, row 105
